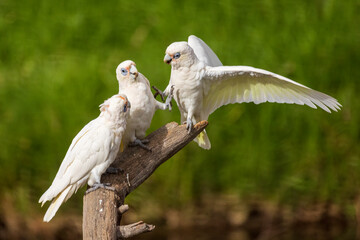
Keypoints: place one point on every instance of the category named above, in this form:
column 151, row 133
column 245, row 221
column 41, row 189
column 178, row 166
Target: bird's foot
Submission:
column 99, row 185
column 158, row 92
column 189, row 124
column 140, row 143
column 168, row 103
column 113, row 170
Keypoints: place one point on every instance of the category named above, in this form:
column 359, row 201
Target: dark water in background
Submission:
column 299, row 233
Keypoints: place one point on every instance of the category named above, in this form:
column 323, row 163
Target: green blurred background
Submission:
column 58, row 61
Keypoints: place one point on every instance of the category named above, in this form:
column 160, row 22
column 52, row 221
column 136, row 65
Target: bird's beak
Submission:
column 133, row 72
column 167, row 59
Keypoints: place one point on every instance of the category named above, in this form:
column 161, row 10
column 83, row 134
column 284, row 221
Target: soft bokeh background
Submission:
column 58, row 61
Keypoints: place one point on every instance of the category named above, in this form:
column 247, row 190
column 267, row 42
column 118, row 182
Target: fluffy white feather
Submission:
column 201, row 85
column 143, row 104
column 239, row 84
column 91, row 152
column 203, row 52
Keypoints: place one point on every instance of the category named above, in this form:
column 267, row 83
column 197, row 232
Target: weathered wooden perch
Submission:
column 103, row 208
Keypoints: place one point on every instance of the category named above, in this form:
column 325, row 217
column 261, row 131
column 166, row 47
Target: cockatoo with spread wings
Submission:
column 201, row 85
column 91, row 152
column 143, row 104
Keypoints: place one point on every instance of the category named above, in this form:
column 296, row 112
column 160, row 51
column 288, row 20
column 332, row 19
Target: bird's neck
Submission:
column 125, row 84
column 112, row 120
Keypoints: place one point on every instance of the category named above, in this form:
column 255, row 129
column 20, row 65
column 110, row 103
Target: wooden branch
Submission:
column 100, row 215
column 134, row 229
column 123, row 209
column 104, row 207
column 137, row 164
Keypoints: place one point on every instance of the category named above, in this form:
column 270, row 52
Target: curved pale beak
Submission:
column 133, row 72
column 167, row 59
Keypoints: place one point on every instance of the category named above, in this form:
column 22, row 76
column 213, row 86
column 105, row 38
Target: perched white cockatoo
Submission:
column 143, row 104
column 91, row 152
column 201, row 85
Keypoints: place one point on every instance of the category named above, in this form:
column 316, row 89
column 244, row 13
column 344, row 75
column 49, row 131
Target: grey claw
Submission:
column 145, row 141
column 189, row 125
column 140, row 143
column 168, row 104
column 113, row 170
column 169, row 98
column 99, row 185
column 158, row 92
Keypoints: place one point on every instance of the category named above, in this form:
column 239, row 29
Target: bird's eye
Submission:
column 124, row 71
column 176, row 55
column 125, row 108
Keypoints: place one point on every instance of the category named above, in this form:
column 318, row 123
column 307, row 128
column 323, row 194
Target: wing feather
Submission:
column 67, row 160
column 237, row 84
column 203, row 52
column 88, row 149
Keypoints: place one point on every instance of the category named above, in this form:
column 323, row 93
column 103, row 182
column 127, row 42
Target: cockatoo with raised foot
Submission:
column 201, row 85
column 143, row 104
column 91, row 152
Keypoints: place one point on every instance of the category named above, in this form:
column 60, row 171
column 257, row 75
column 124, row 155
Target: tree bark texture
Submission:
column 101, row 214
column 136, row 164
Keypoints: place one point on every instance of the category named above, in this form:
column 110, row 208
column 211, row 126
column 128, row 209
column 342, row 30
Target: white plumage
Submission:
column 91, row 152
column 143, row 104
column 201, row 85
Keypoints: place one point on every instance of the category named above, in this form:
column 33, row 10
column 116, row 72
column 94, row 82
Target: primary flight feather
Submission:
column 91, row 152
column 201, row 85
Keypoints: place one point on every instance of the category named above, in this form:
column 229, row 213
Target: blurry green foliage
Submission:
column 58, row 61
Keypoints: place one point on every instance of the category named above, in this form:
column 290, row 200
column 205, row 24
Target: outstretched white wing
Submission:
column 203, row 51
column 237, row 84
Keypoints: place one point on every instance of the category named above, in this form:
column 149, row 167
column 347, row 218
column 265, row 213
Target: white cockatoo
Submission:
column 201, row 85
column 143, row 104
column 91, row 152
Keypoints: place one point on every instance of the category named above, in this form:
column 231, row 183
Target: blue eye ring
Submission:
column 177, row 55
column 125, row 108
column 124, row 71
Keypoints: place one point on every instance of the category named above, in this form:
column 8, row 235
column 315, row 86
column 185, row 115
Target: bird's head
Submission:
column 179, row 54
column 127, row 70
column 116, row 106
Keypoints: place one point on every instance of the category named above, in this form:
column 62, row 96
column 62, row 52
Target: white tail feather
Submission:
column 203, row 140
column 56, row 203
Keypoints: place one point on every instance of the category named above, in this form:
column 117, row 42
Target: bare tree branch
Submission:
column 100, row 214
column 104, row 207
column 137, row 164
column 134, row 229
